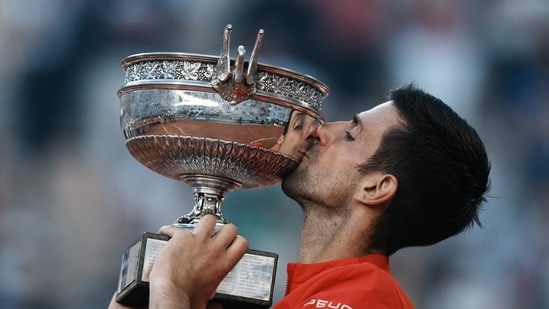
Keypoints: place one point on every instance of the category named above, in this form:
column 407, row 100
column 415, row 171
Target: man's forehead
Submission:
column 382, row 108
column 384, row 114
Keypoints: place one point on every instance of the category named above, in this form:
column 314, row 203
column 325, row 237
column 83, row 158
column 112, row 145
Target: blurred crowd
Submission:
column 72, row 198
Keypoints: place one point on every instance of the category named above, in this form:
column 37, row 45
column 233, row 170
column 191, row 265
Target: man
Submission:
column 409, row 172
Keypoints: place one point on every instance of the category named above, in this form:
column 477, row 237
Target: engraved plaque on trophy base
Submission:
column 250, row 284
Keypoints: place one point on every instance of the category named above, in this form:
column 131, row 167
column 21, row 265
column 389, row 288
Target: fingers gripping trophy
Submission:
column 217, row 124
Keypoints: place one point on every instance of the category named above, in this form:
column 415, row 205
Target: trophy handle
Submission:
column 208, row 193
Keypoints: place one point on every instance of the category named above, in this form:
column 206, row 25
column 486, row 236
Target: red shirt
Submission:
column 364, row 282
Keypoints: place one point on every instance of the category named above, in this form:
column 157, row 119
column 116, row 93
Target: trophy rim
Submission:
column 159, row 56
column 272, row 84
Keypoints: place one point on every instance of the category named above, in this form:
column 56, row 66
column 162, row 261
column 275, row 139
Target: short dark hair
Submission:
column 442, row 169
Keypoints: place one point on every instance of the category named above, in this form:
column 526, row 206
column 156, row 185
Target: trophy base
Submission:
column 250, row 284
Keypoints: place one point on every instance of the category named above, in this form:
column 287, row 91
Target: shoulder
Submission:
column 351, row 286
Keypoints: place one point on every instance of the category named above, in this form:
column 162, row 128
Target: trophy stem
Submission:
column 208, row 193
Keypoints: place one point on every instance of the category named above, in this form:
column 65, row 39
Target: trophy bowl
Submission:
column 217, row 124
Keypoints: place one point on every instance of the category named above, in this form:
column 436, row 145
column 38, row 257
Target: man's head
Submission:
column 413, row 161
column 442, row 170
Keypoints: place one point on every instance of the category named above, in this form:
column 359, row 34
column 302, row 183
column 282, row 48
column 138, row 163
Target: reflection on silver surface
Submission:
column 217, row 124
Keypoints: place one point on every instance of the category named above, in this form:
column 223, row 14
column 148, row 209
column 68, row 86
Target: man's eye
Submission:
column 348, row 136
column 298, row 126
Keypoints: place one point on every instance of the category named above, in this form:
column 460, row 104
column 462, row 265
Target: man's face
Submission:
column 328, row 173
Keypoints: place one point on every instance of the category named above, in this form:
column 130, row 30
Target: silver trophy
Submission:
column 216, row 124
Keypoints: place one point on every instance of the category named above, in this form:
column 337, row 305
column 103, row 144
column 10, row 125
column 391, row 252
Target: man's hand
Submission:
column 189, row 268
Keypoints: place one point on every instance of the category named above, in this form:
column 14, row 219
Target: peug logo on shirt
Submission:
column 322, row 303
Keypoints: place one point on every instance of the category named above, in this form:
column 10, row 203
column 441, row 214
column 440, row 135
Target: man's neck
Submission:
column 332, row 233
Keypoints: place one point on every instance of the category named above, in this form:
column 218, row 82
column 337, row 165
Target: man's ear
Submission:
column 376, row 189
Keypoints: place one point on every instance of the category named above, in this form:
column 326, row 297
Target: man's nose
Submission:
column 326, row 132
column 320, row 133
